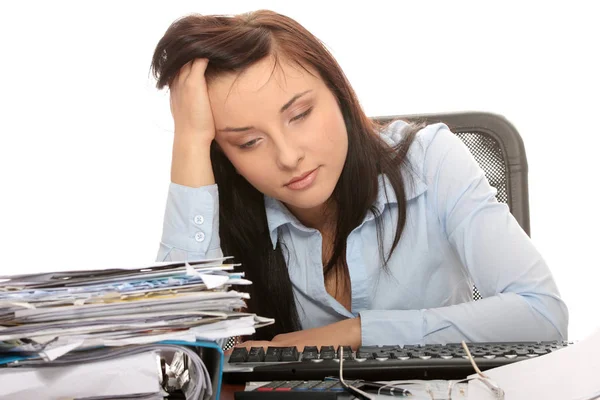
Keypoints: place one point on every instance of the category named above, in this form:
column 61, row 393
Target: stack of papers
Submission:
column 69, row 318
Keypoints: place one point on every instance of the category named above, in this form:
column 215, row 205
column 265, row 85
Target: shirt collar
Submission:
column 279, row 215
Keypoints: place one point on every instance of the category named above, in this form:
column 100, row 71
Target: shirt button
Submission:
column 198, row 219
column 199, row 236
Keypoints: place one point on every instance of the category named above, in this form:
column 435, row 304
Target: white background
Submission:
column 85, row 138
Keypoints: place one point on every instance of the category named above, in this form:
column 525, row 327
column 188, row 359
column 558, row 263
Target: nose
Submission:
column 289, row 154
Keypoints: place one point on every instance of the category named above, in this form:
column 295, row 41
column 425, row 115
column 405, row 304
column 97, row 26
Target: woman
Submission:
column 352, row 233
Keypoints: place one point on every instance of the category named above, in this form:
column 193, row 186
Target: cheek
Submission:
column 333, row 135
column 256, row 170
column 254, row 173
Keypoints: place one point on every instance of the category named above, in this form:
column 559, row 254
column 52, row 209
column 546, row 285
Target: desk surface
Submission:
column 227, row 391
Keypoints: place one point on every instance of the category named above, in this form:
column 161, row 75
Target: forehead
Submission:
column 264, row 85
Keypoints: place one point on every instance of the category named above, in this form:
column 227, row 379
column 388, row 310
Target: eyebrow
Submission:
column 283, row 108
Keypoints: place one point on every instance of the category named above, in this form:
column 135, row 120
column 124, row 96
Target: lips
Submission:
column 304, row 181
column 299, row 178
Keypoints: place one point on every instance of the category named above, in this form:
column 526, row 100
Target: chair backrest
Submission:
column 497, row 147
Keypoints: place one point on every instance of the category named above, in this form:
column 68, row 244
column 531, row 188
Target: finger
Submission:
column 248, row 344
column 197, row 69
column 241, row 344
column 200, row 65
column 254, row 343
column 183, row 73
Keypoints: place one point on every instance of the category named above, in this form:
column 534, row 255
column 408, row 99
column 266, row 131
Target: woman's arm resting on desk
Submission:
column 345, row 333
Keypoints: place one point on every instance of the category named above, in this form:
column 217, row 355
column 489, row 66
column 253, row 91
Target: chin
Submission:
column 308, row 200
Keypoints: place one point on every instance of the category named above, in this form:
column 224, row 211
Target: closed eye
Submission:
column 301, row 116
column 249, row 144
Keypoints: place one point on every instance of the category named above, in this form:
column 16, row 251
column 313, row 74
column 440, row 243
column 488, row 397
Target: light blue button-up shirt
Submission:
column 457, row 235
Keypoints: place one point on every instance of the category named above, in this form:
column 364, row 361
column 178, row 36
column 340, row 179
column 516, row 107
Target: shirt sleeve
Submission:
column 521, row 301
column 191, row 224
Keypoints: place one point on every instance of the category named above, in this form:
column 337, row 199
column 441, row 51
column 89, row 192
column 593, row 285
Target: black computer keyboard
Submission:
column 447, row 361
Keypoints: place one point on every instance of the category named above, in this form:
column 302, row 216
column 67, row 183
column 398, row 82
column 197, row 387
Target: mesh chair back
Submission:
column 497, row 147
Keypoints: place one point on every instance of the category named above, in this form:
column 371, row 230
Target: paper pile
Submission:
column 74, row 318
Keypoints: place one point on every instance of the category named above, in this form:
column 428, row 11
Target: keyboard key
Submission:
column 420, row 354
column 367, row 355
column 309, row 356
column 520, row 352
column 347, row 352
column 327, row 353
column 289, row 353
column 383, row 352
column 238, row 355
column 324, row 385
column 273, row 354
column 479, row 353
column 256, row 354
column 336, row 388
column 269, row 387
column 310, row 353
column 306, row 385
column 287, row 386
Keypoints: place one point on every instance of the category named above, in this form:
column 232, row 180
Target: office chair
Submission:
column 499, row 150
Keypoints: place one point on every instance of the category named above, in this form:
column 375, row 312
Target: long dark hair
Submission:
column 232, row 44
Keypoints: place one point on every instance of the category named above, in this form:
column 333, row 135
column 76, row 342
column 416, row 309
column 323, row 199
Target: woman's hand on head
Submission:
column 190, row 104
column 194, row 126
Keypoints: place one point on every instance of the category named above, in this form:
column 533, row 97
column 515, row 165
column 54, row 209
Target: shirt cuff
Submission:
column 391, row 327
column 191, row 220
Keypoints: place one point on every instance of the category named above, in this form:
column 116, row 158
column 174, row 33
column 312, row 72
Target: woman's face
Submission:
column 283, row 131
